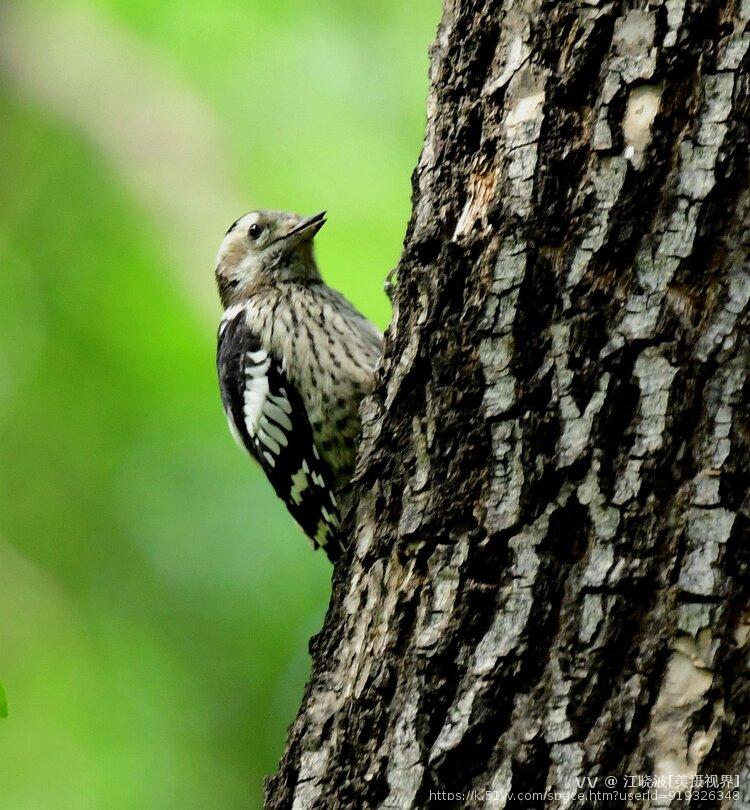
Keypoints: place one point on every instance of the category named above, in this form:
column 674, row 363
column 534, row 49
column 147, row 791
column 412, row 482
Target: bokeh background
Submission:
column 155, row 599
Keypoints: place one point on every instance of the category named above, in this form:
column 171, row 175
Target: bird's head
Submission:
column 266, row 246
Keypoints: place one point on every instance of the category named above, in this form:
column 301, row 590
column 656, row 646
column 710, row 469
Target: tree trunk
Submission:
column 548, row 576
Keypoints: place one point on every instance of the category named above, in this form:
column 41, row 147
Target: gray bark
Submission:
column 548, row 576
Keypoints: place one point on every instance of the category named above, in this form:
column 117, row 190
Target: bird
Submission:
column 294, row 360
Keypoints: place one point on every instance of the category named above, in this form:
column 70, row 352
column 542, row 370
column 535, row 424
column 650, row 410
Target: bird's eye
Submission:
column 255, row 230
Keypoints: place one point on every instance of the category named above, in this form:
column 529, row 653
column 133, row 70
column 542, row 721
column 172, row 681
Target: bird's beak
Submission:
column 309, row 226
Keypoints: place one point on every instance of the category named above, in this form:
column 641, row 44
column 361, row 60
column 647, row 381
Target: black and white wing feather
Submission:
column 268, row 417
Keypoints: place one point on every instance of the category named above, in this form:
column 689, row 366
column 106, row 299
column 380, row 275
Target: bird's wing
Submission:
column 267, row 417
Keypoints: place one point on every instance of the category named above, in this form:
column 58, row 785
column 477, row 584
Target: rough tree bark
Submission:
column 549, row 569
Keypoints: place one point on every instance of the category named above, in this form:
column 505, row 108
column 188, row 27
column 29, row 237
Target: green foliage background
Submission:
column 155, row 598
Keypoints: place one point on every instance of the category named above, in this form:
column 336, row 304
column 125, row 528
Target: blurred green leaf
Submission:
column 3, row 702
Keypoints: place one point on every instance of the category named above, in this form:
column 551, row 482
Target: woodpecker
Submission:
column 294, row 359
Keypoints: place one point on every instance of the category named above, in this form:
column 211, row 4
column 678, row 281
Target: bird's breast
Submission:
column 328, row 365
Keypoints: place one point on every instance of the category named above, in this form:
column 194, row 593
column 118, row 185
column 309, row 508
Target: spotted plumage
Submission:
column 294, row 359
